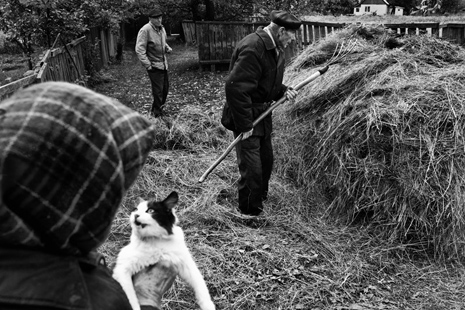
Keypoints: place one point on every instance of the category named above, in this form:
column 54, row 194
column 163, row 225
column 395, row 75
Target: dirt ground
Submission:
column 189, row 85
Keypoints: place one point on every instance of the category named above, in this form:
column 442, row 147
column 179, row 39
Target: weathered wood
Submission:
column 104, row 48
column 58, row 64
column 316, row 32
column 42, row 72
column 217, row 40
column 10, row 88
column 188, row 28
column 454, row 32
column 412, row 25
column 76, row 42
column 311, row 34
column 333, row 25
column 305, row 38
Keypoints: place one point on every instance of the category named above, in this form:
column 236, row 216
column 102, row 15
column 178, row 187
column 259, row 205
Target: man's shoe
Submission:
column 255, row 221
column 156, row 114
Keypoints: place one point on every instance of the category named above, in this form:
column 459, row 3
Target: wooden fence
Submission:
column 63, row 64
column 188, row 27
column 216, row 40
column 67, row 63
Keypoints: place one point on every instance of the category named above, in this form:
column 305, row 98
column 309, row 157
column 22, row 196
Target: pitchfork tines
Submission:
column 342, row 50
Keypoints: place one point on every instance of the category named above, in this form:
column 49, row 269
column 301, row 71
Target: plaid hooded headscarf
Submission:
column 72, row 154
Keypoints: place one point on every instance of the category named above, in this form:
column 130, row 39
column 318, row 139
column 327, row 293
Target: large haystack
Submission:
column 381, row 135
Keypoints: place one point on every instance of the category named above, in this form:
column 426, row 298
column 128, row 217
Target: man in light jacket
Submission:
column 151, row 49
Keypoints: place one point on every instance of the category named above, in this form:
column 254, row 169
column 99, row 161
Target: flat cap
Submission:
column 155, row 12
column 285, row 19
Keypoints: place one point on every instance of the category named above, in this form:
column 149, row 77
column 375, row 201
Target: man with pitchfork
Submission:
column 254, row 81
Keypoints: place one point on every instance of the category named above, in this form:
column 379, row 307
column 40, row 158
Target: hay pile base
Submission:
column 382, row 135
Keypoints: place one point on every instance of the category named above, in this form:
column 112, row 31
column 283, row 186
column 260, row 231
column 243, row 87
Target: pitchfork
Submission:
column 340, row 51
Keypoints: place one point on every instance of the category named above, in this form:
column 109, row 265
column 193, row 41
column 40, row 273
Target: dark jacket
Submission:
column 255, row 78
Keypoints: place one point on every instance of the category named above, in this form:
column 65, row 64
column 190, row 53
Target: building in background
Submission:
column 378, row 7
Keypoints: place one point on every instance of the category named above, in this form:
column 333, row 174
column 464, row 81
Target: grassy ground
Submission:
column 295, row 259
column 13, row 62
column 12, row 68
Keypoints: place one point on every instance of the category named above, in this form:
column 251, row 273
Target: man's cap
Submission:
column 155, row 12
column 285, row 19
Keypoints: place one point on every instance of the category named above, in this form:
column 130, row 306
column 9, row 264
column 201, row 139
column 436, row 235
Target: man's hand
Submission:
column 247, row 134
column 168, row 49
column 153, row 282
column 291, row 94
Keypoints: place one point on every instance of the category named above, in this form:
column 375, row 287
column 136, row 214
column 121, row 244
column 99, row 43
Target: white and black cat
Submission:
column 157, row 239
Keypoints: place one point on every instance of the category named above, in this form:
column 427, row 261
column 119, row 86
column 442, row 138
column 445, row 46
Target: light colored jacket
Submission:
column 151, row 47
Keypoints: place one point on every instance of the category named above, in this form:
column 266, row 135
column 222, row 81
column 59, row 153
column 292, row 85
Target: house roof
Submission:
column 374, row 2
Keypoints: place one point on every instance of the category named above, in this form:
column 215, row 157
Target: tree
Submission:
column 293, row 6
column 30, row 23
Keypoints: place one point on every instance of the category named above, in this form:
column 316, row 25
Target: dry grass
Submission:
column 381, row 136
column 296, row 259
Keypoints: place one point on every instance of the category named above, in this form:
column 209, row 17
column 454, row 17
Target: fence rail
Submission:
column 216, row 40
column 67, row 63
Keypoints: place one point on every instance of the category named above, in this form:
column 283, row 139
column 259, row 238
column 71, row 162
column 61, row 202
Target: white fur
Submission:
column 151, row 244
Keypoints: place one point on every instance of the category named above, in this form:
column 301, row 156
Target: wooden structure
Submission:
column 431, row 29
column 216, row 40
column 312, row 31
column 63, row 64
column 105, row 42
column 453, row 32
column 67, row 63
column 378, row 7
column 188, row 27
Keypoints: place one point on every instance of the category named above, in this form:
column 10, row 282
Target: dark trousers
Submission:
column 255, row 161
column 160, row 86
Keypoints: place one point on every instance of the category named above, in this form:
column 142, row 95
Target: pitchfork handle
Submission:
column 258, row 120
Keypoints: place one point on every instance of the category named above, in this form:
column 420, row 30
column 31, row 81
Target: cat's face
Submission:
column 154, row 218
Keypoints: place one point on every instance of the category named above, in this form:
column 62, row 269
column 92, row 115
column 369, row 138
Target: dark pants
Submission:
column 255, row 161
column 160, row 86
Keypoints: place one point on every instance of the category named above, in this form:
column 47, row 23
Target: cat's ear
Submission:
column 139, row 200
column 171, row 200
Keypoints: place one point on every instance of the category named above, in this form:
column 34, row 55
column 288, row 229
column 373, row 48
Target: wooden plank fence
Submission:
column 216, row 40
column 189, row 32
column 63, row 64
column 313, row 31
column 453, row 32
column 67, row 63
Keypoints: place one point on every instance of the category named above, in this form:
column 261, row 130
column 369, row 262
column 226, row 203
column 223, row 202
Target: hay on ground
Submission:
column 381, row 135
